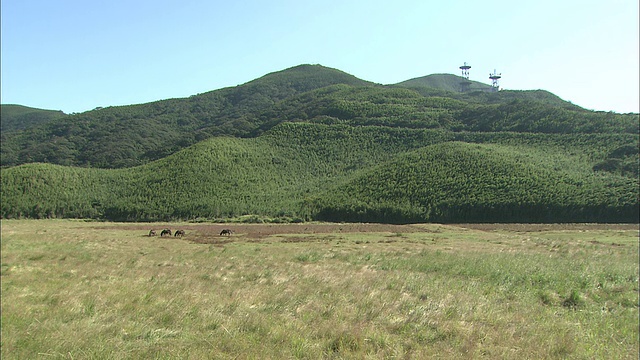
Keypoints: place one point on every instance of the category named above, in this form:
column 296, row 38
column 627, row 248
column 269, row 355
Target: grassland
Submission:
column 92, row 290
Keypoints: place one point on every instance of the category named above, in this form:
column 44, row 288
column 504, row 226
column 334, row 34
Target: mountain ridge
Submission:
column 131, row 135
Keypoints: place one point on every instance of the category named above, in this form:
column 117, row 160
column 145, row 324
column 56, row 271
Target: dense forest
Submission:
column 18, row 117
column 314, row 143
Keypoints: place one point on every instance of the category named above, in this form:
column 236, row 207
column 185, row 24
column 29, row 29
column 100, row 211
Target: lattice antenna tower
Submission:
column 465, row 84
column 494, row 80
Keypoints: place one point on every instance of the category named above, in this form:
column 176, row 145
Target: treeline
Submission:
column 303, row 171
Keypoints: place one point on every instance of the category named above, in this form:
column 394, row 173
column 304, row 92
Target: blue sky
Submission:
column 75, row 55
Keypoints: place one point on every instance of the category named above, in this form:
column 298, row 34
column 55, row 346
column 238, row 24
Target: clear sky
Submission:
column 75, row 55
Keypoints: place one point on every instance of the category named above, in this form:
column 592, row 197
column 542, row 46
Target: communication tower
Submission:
column 465, row 83
column 465, row 70
column 494, row 80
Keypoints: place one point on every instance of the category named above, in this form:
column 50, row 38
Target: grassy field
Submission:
column 91, row 290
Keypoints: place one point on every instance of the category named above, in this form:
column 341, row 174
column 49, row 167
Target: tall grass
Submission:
column 75, row 289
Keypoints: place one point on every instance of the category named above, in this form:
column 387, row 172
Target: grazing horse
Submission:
column 226, row 232
column 179, row 233
column 165, row 232
column 152, row 233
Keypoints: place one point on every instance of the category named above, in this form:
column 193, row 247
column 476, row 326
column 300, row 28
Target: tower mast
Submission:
column 465, row 83
column 494, row 80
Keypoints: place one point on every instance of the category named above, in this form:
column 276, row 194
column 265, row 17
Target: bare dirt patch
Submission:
column 210, row 233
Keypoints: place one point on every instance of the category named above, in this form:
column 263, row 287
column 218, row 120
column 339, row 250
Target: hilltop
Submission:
column 447, row 82
column 18, row 117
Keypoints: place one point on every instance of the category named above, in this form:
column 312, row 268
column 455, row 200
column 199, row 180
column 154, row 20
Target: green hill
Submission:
column 448, row 85
column 125, row 136
column 345, row 173
column 458, row 181
column 18, row 117
column 447, row 82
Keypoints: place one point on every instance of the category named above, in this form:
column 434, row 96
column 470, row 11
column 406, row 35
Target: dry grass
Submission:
column 82, row 290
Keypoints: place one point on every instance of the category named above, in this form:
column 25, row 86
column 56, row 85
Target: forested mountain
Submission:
column 124, row 136
column 18, row 117
column 314, row 143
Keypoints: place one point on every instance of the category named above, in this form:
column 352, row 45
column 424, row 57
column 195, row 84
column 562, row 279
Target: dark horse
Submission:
column 152, row 233
column 226, row 232
column 179, row 233
column 165, row 232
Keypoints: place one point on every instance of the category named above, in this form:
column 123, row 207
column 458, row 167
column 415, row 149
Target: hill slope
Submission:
column 18, row 117
column 344, row 173
column 124, row 136
column 457, row 181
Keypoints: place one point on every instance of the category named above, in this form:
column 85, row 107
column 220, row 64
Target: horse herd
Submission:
column 181, row 233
